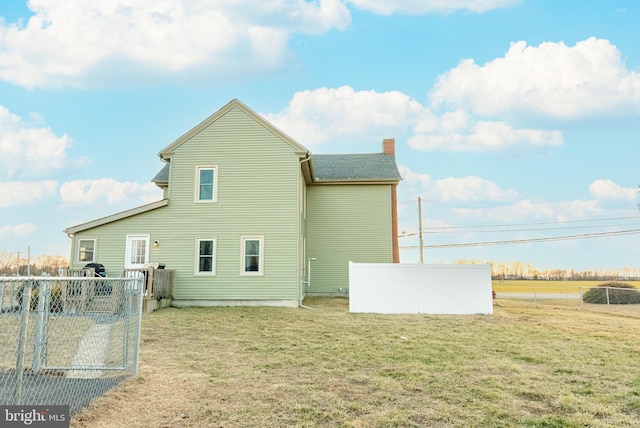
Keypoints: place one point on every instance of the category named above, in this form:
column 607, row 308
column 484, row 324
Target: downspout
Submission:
column 308, row 281
column 305, row 283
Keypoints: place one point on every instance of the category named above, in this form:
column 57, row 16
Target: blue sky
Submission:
column 513, row 120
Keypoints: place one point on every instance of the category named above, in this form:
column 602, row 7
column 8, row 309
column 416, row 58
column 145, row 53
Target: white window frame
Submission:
column 243, row 258
column 197, row 199
column 128, row 249
column 196, row 268
column 93, row 257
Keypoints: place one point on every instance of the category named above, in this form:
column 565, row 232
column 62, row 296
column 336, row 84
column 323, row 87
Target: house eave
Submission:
column 355, row 181
column 115, row 217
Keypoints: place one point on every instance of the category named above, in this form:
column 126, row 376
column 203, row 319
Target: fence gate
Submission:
column 67, row 340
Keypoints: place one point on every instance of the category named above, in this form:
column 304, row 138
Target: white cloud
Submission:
column 342, row 114
column 17, row 231
column 325, row 114
column 469, row 189
column 13, row 193
column 30, row 151
column 414, row 178
column 526, row 210
column 415, row 7
column 107, row 191
column 550, row 80
column 455, row 189
column 607, row 189
column 455, row 131
column 80, row 43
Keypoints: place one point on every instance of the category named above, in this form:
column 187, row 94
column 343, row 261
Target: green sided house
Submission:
column 246, row 210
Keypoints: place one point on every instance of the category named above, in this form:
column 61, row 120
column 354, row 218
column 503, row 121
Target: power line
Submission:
column 520, row 230
column 532, row 224
column 469, row 229
column 532, row 240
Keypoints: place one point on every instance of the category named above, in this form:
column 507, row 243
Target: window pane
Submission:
column 206, row 248
column 252, row 247
column 206, row 264
column 252, row 264
column 206, row 176
column 252, row 255
column 206, row 184
column 205, row 255
column 138, row 251
column 206, row 192
column 86, row 248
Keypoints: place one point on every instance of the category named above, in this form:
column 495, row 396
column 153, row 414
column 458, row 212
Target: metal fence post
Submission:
column 127, row 289
column 607, row 291
column 1, row 296
column 43, row 290
column 581, row 301
column 22, row 340
column 138, row 331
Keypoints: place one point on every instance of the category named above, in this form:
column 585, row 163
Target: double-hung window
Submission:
column 206, row 256
column 252, row 262
column 206, row 184
column 86, row 250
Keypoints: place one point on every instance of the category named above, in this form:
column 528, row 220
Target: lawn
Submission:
column 524, row 366
column 554, row 287
column 64, row 335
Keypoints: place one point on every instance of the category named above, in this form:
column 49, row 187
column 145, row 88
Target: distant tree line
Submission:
column 521, row 270
column 11, row 264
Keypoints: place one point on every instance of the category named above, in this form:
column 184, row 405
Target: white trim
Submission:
column 95, row 250
column 196, row 267
column 127, row 253
column 168, row 151
column 196, row 193
column 189, row 303
column 118, row 216
column 260, row 271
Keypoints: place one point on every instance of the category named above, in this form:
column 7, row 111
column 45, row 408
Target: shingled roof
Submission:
column 162, row 177
column 355, row 167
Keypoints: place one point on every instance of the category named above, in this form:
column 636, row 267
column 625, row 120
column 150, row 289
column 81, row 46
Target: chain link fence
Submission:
column 67, row 340
column 608, row 299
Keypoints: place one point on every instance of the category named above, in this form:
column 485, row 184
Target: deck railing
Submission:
column 158, row 283
column 83, row 272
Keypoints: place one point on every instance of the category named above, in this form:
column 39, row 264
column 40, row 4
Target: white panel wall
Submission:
column 414, row 288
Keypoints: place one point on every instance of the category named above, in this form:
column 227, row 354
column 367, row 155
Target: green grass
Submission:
column 274, row 367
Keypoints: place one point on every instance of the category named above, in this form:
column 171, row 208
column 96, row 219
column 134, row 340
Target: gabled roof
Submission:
column 117, row 216
column 167, row 152
column 360, row 167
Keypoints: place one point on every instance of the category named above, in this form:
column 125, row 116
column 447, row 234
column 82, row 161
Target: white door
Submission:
column 137, row 252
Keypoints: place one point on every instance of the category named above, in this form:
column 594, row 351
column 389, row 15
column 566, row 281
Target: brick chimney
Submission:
column 389, row 146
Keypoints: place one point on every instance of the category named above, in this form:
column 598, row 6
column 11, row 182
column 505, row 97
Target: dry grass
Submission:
column 64, row 334
column 275, row 367
column 556, row 287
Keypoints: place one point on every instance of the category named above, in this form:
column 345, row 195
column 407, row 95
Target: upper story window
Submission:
column 206, row 184
column 86, row 250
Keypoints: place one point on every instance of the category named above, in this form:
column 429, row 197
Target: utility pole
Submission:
column 420, row 227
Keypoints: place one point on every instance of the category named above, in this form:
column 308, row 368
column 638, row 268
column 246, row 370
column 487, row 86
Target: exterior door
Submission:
column 137, row 251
